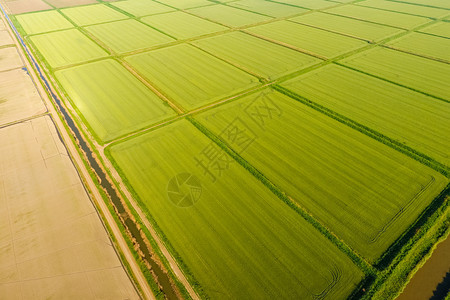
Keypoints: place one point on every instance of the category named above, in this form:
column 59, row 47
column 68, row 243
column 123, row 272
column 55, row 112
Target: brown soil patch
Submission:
column 24, row 6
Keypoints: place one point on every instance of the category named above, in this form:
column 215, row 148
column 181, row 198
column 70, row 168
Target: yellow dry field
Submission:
column 52, row 242
column 19, row 98
column 9, row 59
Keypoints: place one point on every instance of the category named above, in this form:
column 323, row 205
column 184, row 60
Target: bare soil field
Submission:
column 52, row 243
column 19, row 98
column 5, row 38
column 24, row 6
column 10, row 59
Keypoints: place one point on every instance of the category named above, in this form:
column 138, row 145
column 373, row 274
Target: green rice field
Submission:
column 424, row 44
column 128, row 35
column 272, row 9
column 139, row 8
column 187, row 66
column 406, row 8
column 43, row 22
column 67, row 47
column 347, row 26
column 92, row 14
column 358, row 96
column 266, row 59
column 111, row 105
column 182, row 25
column 289, row 149
column 362, row 190
column 384, row 17
column 312, row 40
column 228, row 16
column 238, row 229
column 439, row 29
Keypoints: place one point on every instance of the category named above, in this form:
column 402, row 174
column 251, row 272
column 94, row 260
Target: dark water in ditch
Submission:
column 432, row 280
column 162, row 277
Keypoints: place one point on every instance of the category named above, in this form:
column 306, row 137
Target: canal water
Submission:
column 432, row 280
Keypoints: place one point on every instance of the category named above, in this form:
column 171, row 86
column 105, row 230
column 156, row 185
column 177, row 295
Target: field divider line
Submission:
column 7, row 46
column 176, row 107
column 416, row 155
column 46, row 113
column 311, row 9
column 186, row 114
column 420, row 4
column 392, row 82
column 242, row 68
column 286, row 45
column 277, row 191
column 390, row 10
column 441, row 60
column 344, row 34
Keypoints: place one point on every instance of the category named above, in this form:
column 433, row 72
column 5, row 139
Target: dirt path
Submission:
column 95, row 195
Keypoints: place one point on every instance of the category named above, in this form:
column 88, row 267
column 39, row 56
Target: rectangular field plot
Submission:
column 40, row 22
column 128, row 35
column 10, row 59
column 51, row 238
column 190, row 76
column 348, row 26
column 316, row 41
column 272, row 9
column 311, row 4
column 424, row 44
column 228, row 16
column 406, row 8
column 379, row 16
column 182, row 25
column 229, row 233
column 111, row 100
column 419, row 73
column 67, row 47
column 394, row 111
column 440, row 29
column 92, row 14
column 266, row 59
column 19, row 98
column 363, row 191
column 141, row 8
column 186, row 3
column 5, row 38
